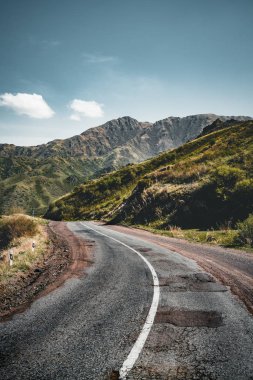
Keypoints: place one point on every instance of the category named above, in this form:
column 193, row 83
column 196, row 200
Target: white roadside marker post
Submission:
column 11, row 257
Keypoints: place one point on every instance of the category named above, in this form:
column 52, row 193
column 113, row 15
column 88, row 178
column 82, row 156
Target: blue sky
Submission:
column 69, row 65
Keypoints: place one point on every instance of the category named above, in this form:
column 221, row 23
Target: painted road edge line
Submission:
column 139, row 344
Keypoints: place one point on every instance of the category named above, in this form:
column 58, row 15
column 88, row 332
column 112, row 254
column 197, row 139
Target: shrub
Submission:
column 16, row 226
column 244, row 188
column 226, row 178
column 144, row 183
column 245, row 231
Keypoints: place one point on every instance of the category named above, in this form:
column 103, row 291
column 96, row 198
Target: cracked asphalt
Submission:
column 86, row 328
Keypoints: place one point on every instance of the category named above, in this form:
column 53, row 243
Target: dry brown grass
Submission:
column 21, row 246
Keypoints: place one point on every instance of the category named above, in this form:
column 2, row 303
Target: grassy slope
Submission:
column 33, row 183
column 206, row 182
column 30, row 183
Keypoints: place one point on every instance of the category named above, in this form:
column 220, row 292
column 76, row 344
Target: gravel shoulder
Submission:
column 66, row 256
column 233, row 268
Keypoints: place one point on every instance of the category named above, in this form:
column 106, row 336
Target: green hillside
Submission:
column 32, row 177
column 31, row 184
column 204, row 183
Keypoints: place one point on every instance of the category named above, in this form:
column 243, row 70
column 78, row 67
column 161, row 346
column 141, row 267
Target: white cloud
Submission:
column 75, row 117
column 99, row 58
column 32, row 105
column 85, row 108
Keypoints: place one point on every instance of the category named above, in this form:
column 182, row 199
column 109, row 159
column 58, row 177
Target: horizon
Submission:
column 65, row 70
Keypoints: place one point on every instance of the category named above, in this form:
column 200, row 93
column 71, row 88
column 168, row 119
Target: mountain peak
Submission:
column 122, row 121
column 59, row 165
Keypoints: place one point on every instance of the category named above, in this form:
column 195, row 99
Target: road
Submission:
column 87, row 328
column 232, row 267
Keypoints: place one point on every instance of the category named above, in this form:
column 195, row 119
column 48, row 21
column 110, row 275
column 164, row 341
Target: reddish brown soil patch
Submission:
column 67, row 256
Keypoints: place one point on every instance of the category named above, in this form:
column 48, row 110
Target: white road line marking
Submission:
column 139, row 344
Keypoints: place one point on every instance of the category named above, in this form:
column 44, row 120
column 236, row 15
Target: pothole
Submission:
column 194, row 282
column 169, row 266
column 113, row 375
column 204, row 277
column 187, row 278
column 190, row 318
column 207, row 287
column 144, row 249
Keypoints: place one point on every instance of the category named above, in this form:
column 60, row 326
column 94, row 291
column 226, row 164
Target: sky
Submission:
column 68, row 65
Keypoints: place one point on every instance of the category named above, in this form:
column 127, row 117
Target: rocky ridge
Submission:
column 31, row 177
column 126, row 134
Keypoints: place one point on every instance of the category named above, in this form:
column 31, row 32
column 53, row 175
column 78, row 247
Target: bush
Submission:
column 245, row 231
column 226, row 178
column 16, row 226
column 244, row 188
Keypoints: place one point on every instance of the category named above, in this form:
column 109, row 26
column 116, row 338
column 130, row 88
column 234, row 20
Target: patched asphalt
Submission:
column 86, row 328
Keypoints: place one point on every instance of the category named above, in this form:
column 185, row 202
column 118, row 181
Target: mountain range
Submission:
column 32, row 177
column 203, row 184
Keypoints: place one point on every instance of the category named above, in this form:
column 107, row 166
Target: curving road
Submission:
column 86, row 328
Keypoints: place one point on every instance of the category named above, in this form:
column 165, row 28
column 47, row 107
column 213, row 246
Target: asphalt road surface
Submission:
column 86, row 328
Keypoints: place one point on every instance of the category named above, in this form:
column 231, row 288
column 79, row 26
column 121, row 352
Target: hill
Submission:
column 201, row 184
column 32, row 177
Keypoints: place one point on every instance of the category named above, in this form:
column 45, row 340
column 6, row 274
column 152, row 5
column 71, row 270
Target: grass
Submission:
column 16, row 226
column 245, row 231
column 226, row 238
column 21, row 245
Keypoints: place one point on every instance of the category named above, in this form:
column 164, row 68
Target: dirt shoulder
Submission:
column 65, row 256
column 233, row 268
